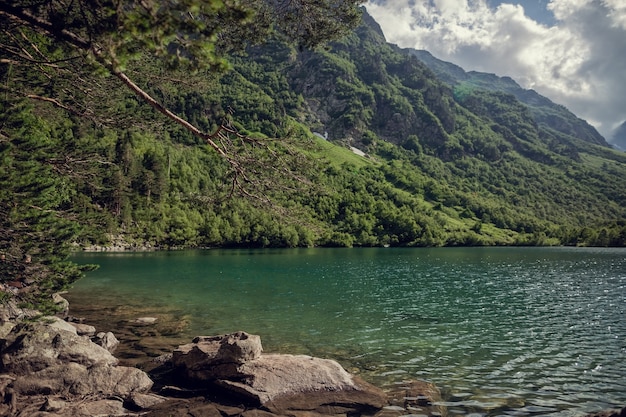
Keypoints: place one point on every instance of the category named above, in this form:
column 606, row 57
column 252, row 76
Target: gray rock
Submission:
column 100, row 408
column 72, row 379
column 211, row 357
column 53, row 405
column 144, row 401
column 48, row 359
column 107, row 340
column 282, row 383
column 11, row 312
column 144, row 321
column 59, row 324
column 5, row 328
column 609, row 413
column 31, row 347
column 62, row 304
column 84, row 329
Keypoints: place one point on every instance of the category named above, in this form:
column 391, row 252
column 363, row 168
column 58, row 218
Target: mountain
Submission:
column 619, row 137
column 545, row 113
column 412, row 157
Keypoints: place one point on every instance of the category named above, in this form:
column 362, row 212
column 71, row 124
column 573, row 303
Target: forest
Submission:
column 87, row 161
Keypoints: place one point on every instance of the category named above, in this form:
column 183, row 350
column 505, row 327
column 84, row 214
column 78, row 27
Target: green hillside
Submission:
column 440, row 162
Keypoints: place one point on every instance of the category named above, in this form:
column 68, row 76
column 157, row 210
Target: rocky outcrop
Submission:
column 276, row 382
column 49, row 359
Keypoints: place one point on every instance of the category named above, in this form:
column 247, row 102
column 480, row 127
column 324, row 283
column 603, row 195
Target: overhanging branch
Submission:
column 24, row 16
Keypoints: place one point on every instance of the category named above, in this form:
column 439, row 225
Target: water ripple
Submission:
column 502, row 331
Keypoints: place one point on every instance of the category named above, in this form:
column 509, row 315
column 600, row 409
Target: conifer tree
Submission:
column 36, row 229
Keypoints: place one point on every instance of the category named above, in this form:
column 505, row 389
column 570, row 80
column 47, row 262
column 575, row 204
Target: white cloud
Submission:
column 579, row 62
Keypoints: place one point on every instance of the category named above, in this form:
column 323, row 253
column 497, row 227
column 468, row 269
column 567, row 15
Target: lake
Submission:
column 501, row 331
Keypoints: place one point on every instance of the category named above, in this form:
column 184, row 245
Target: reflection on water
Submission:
column 502, row 331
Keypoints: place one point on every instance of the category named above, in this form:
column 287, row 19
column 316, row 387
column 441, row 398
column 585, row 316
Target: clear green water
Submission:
column 502, row 331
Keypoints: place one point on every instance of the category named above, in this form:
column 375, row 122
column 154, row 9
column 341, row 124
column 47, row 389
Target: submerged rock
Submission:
column 144, row 321
column 418, row 397
column 610, row 413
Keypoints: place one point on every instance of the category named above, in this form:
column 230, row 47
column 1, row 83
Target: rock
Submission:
column 5, row 328
column 74, row 379
column 11, row 312
column 144, row 321
column 50, row 359
column 213, row 357
column 31, row 347
column 60, row 324
column 239, row 347
column 84, row 407
column 138, row 401
column 609, row 413
column 197, row 407
column 84, row 329
column 276, row 382
column 53, row 405
column 8, row 399
column 106, row 340
column 416, row 395
column 108, row 408
column 62, row 304
column 299, row 382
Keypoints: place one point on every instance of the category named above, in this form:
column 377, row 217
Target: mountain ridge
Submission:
column 544, row 110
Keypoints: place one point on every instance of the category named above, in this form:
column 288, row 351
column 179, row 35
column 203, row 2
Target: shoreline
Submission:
column 164, row 395
column 165, row 398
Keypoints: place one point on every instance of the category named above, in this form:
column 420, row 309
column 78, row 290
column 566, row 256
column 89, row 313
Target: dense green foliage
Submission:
column 77, row 160
column 38, row 220
column 447, row 163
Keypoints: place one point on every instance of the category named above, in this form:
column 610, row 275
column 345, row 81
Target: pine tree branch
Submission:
column 53, row 101
column 77, row 41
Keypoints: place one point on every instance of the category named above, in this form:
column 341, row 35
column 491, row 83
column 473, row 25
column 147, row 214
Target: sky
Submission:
column 571, row 51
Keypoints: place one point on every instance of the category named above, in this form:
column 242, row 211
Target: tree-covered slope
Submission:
column 481, row 152
column 85, row 159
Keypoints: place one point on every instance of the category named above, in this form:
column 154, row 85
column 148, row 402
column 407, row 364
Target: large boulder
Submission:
column 276, row 382
column 282, row 383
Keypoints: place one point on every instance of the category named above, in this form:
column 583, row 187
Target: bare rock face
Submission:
column 278, row 383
